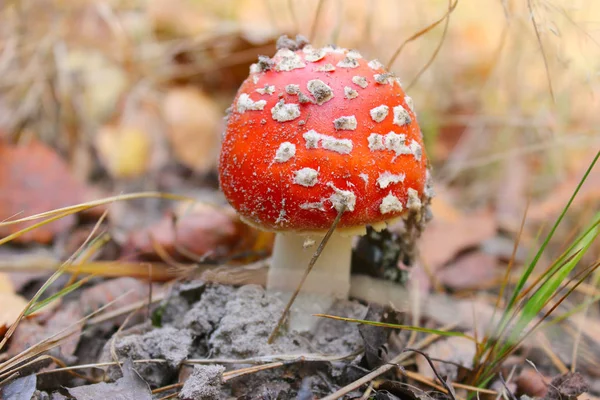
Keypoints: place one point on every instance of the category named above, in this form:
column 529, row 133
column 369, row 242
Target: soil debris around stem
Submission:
column 200, row 320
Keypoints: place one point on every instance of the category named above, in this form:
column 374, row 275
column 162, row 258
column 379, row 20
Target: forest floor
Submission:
column 149, row 286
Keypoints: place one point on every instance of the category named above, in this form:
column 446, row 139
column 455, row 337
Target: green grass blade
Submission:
column 532, row 265
column 63, row 292
column 540, row 298
column 397, row 326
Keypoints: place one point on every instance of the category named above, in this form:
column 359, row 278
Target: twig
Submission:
column 437, row 375
column 510, row 394
column 427, row 381
column 384, row 368
column 311, row 264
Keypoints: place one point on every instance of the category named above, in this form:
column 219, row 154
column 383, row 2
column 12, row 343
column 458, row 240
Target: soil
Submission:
column 200, row 321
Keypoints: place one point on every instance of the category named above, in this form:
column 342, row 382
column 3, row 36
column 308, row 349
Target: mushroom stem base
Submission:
column 328, row 280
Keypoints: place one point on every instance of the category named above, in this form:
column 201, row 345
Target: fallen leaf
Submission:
column 124, row 151
column 102, row 83
column 194, row 125
column 92, row 298
column 470, row 271
column 375, row 337
column 201, row 230
column 557, row 198
column 130, row 386
column 30, row 175
column 456, row 351
column 511, row 197
column 134, row 145
column 32, row 331
column 20, row 389
column 220, row 62
column 12, row 303
column 532, row 383
column 451, row 231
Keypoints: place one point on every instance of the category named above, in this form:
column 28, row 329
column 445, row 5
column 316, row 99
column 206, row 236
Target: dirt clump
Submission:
column 204, row 383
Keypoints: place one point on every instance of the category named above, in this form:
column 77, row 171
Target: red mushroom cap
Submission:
column 313, row 129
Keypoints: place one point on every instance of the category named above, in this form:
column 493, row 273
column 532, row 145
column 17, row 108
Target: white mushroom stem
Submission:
column 328, row 280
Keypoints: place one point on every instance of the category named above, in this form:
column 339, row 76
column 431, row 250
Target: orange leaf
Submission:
column 34, row 179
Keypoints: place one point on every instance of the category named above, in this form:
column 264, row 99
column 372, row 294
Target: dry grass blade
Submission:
column 95, row 203
column 48, row 282
column 311, row 264
column 449, row 390
column 437, row 49
column 278, row 358
column 419, row 34
column 7, row 367
column 539, row 39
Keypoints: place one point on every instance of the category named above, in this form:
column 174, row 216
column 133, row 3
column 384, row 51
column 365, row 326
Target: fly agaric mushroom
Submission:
column 314, row 132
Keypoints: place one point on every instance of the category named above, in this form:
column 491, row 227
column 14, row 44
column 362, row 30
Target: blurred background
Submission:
column 129, row 95
column 109, row 97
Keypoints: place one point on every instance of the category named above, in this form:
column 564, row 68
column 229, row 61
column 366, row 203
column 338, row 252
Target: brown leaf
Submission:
column 375, row 338
column 130, row 386
column 220, row 62
column 124, row 151
column 511, row 196
column 94, row 297
column 201, row 230
column 32, row 331
column 558, row 197
column 12, row 303
column 34, row 179
column 450, row 232
column 531, row 383
column 194, row 124
column 455, row 350
column 470, row 271
column 134, row 145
